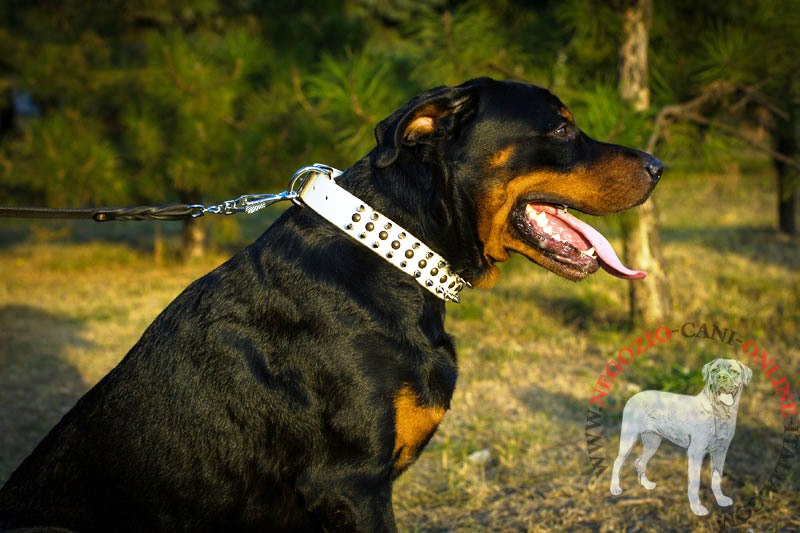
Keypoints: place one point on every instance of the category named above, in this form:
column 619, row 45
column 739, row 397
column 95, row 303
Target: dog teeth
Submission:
column 589, row 252
column 537, row 216
column 557, row 237
column 548, row 230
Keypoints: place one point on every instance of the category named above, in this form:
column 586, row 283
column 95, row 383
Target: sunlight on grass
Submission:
column 529, row 350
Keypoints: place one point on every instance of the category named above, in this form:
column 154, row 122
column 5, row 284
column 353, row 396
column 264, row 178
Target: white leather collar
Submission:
column 317, row 189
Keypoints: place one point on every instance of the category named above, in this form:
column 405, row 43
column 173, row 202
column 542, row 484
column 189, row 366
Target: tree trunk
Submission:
column 194, row 239
column 787, row 136
column 194, row 233
column 788, row 202
column 633, row 83
column 158, row 245
column 650, row 302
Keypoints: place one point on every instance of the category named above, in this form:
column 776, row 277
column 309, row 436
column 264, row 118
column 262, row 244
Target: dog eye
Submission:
column 561, row 131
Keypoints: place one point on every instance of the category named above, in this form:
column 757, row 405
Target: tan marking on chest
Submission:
column 414, row 425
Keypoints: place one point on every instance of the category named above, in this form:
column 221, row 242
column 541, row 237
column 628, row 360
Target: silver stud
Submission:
column 348, row 227
column 429, row 283
column 402, row 235
column 374, row 216
column 362, row 235
column 428, row 255
column 417, row 273
column 375, row 244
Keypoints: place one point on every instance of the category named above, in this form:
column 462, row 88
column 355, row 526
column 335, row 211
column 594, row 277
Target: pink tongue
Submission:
column 608, row 259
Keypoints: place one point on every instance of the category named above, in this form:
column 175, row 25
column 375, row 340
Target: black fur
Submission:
column 261, row 399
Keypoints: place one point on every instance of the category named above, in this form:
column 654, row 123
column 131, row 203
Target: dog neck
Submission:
column 432, row 198
column 379, row 234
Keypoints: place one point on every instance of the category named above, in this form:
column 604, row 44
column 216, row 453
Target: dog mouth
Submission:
column 726, row 398
column 726, row 394
column 575, row 248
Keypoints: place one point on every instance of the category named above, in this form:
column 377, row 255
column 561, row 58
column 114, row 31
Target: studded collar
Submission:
column 319, row 191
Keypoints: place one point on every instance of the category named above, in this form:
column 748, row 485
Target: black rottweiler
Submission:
column 285, row 390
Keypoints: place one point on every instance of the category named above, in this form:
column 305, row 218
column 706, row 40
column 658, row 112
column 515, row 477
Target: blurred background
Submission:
column 167, row 101
column 126, row 102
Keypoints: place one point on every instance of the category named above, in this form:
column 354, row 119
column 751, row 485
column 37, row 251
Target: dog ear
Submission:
column 707, row 370
column 747, row 373
column 426, row 118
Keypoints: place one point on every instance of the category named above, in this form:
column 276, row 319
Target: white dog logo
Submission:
column 704, row 424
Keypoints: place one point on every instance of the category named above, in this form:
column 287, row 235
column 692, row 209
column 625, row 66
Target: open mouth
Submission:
column 726, row 398
column 726, row 394
column 575, row 246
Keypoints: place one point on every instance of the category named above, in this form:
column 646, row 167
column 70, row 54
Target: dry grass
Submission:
column 530, row 352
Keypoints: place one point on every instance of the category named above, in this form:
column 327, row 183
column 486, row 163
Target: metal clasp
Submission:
column 247, row 203
column 300, row 178
column 250, row 203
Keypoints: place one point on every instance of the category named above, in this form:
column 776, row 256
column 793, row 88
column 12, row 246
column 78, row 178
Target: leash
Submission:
column 313, row 187
column 248, row 203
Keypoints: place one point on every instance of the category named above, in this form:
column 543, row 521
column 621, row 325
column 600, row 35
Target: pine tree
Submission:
column 650, row 301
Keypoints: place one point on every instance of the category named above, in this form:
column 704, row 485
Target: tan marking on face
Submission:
column 501, row 157
column 414, row 425
column 567, row 114
column 610, row 186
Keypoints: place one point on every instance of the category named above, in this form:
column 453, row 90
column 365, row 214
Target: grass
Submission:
column 530, row 352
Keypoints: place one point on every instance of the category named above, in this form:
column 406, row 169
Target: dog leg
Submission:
column 717, row 466
column 695, row 455
column 627, row 439
column 650, row 442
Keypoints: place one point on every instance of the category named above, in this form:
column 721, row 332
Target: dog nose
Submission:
column 654, row 167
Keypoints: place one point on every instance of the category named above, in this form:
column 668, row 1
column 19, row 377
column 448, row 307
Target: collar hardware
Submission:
column 316, row 188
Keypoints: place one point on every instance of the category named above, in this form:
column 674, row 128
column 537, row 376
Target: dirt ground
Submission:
column 512, row 453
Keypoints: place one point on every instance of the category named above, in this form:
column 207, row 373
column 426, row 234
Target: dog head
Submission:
column 515, row 160
column 725, row 379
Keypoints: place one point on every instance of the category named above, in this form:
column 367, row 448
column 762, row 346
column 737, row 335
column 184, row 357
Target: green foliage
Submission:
column 469, row 41
column 66, row 160
column 160, row 100
column 592, row 35
column 351, row 96
column 602, row 114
